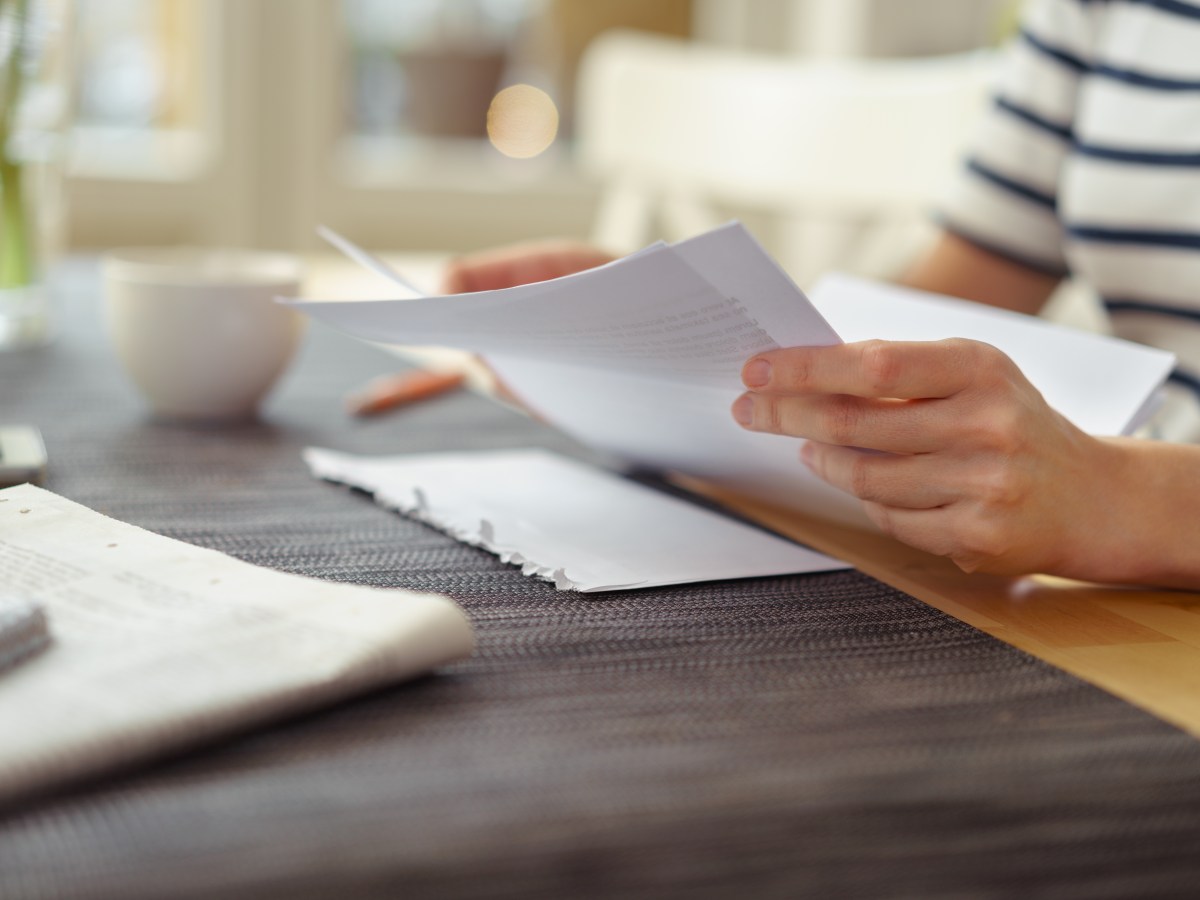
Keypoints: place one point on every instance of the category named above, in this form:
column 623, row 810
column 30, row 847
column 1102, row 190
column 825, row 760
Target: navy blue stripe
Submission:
column 1139, row 157
column 1095, row 151
column 1032, row 118
column 1067, row 59
column 1126, row 76
column 1146, row 306
column 1171, row 6
column 1140, row 79
column 1168, row 6
column 1021, row 259
column 1012, row 186
column 1189, row 240
column 1187, row 379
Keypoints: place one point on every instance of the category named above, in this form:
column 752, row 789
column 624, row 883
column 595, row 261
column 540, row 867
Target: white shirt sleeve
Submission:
column 1006, row 197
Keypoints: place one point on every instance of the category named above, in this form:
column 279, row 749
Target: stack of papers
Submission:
column 642, row 358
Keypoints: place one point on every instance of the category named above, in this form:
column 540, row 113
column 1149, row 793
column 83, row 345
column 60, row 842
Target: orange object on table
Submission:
column 390, row 391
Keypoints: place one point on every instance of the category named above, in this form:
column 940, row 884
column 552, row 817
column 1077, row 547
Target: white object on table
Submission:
column 579, row 526
column 198, row 331
column 24, row 629
column 160, row 644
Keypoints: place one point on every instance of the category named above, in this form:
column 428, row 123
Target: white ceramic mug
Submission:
column 199, row 331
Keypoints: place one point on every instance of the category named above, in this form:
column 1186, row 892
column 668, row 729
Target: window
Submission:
column 239, row 122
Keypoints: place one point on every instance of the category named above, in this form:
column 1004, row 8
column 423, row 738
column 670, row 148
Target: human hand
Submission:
column 516, row 264
column 504, row 267
column 975, row 465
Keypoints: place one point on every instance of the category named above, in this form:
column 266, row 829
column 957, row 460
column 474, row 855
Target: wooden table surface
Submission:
column 1141, row 645
column 803, row 736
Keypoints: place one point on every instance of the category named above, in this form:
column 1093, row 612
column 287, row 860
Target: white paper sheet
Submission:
column 159, row 644
column 581, row 527
column 369, row 261
column 1099, row 383
column 671, row 427
column 650, row 313
column 580, row 351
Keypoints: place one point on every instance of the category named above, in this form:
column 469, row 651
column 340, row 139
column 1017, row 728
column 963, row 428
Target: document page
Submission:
column 581, row 527
column 651, row 314
column 159, row 644
column 1100, row 383
column 668, row 426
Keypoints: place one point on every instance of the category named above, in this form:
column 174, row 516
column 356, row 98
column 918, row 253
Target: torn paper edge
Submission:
column 418, row 507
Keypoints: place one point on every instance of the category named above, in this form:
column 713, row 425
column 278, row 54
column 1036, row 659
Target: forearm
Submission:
column 1147, row 525
column 958, row 268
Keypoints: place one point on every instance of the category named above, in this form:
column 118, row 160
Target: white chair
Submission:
column 846, row 157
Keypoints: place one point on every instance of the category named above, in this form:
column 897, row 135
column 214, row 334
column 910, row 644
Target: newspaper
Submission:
column 159, row 644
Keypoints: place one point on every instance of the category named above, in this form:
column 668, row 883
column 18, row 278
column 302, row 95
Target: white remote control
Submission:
column 22, row 455
column 24, row 630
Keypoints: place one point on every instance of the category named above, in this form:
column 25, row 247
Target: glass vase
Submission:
column 34, row 111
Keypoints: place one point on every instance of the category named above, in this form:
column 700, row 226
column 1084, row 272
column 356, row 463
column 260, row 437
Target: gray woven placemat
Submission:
column 820, row 736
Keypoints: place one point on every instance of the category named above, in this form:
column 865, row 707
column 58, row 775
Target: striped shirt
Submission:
column 1089, row 164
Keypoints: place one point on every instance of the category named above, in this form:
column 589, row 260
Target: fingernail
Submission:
column 743, row 410
column 806, row 453
column 756, row 373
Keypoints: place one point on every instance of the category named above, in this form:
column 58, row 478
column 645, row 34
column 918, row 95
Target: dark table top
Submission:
column 821, row 735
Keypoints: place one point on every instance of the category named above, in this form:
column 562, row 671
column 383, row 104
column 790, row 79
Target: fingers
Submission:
column 935, row 507
column 978, row 467
column 971, row 543
column 897, row 426
column 896, row 396
column 925, row 529
column 892, row 369
column 494, row 270
column 506, row 267
column 467, row 275
column 883, row 478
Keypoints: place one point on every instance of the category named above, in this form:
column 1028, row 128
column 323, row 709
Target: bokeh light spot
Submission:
column 522, row 121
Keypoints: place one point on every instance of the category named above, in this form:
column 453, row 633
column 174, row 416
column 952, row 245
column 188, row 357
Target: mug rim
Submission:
column 189, row 265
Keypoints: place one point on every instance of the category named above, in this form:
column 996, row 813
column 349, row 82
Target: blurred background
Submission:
column 447, row 125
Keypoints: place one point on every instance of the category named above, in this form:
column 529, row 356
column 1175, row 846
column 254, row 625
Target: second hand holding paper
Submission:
column 650, row 314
